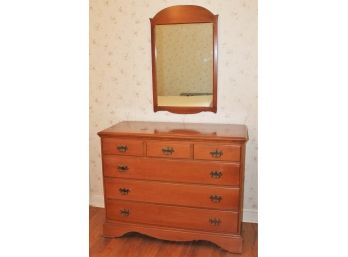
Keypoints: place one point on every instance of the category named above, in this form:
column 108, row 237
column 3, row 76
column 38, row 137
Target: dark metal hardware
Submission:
column 122, row 148
column 124, row 191
column 124, row 212
column 122, row 167
column 215, row 221
column 216, row 153
column 216, row 198
column 168, row 150
column 216, row 174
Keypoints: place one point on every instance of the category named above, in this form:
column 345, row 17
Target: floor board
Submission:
column 137, row 245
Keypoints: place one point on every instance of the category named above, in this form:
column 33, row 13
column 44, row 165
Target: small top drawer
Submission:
column 217, row 152
column 169, row 149
column 122, row 146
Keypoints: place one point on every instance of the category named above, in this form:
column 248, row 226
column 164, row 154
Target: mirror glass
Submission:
column 184, row 64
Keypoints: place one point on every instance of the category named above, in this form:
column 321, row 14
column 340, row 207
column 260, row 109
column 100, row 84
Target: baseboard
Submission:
column 249, row 215
column 96, row 201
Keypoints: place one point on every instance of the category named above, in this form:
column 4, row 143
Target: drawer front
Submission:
column 199, row 172
column 172, row 216
column 169, row 149
column 122, row 146
column 217, row 152
column 170, row 193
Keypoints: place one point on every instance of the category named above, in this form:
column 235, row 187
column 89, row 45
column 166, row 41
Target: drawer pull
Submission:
column 215, row 221
column 124, row 191
column 124, row 212
column 122, row 148
column 216, row 174
column 215, row 198
column 216, row 153
column 122, row 168
column 168, row 150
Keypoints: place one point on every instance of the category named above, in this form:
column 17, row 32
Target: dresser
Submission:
column 175, row 181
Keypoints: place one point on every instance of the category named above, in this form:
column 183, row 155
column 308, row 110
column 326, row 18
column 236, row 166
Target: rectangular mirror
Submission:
column 184, row 59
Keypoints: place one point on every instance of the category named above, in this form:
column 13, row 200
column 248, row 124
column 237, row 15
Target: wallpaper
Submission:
column 184, row 58
column 121, row 79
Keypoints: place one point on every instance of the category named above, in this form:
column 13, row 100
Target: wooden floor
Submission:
column 137, row 245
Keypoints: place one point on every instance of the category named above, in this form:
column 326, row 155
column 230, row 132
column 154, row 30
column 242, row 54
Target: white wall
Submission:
column 121, row 83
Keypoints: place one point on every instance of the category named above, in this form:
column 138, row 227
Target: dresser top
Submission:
column 175, row 129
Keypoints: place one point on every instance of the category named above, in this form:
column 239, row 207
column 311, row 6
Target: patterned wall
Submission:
column 184, row 58
column 121, row 82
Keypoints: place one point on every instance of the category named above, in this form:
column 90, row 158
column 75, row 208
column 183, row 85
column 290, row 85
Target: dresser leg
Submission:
column 229, row 243
column 114, row 230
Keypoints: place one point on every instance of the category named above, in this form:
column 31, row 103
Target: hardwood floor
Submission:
column 137, row 245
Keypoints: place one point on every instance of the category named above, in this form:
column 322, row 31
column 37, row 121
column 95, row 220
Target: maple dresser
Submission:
column 175, row 181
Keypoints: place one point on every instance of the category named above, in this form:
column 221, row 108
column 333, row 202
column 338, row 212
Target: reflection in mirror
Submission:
column 184, row 62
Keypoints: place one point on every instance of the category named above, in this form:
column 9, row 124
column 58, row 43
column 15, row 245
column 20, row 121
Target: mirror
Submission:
column 184, row 59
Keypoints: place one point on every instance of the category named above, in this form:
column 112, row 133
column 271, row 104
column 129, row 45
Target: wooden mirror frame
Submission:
column 184, row 14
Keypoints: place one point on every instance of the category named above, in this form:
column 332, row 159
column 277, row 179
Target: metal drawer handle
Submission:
column 124, row 191
column 122, row 148
column 215, row 198
column 168, row 150
column 214, row 221
column 216, row 174
column 124, row 212
column 122, row 167
column 216, row 153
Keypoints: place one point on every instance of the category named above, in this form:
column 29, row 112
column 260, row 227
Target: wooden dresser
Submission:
column 175, row 181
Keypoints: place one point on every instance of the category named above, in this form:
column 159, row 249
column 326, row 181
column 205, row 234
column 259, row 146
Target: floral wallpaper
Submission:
column 121, row 79
column 184, row 58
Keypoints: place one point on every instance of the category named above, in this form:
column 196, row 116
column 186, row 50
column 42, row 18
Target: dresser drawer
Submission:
column 170, row 193
column 217, row 152
column 169, row 149
column 199, row 172
column 172, row 216
column 122, row 146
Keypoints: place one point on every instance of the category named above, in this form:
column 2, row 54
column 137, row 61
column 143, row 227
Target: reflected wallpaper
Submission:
column 184, row 58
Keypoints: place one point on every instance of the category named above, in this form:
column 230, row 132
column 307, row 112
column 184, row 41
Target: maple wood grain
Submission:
column 201, row 196
column 172, row 217
column 174, row 149
column 194, row 172
column 101, row 246
column 184, row 14
column 127, row 146
column 157, row 198
column 177, row 130
column 204, row 151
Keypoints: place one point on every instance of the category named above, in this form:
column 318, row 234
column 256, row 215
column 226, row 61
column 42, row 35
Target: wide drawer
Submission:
column 169, row 149
column 171, row 193
column 122, row 146
column 217, row 152
column 172, row 216
column 200, row 172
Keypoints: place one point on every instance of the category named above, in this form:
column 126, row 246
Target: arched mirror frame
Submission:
column 184, row 14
